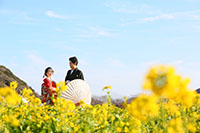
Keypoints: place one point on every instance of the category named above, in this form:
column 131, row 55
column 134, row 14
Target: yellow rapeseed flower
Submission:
column 187, row 98
column 191, row 127
column 176, row 126
column 75, row 128
column 10, row 96
column 71, row 124
column 164, row 81
column 172, row 108
column 144, row 106
column 15, row 122
column 107, row 87
column 126, row 129
column 13, row 85
column 119, row 129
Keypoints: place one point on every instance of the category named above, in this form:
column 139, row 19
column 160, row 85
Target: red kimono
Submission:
column 48, row 91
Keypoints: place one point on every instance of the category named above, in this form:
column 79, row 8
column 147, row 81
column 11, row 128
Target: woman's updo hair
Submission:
column 74, row 60
column 46, row 70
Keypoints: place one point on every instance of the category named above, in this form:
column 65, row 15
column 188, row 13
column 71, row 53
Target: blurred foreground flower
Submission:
column 144, row 106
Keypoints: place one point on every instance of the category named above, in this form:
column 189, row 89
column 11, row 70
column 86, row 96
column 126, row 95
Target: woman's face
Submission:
column 49, row 73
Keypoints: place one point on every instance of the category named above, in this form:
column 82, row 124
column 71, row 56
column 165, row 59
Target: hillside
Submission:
column 6, row 76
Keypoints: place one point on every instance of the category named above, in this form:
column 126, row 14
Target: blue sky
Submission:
column 116, row 41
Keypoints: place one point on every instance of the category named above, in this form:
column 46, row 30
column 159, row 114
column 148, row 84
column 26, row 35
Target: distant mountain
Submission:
column 198, row 90
column 6, row 76
column 116, row 102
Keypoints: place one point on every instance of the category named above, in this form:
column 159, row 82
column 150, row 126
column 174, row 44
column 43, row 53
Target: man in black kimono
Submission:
column 74, row 73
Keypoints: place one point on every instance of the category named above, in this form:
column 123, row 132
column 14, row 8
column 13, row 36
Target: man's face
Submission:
column 71, row 65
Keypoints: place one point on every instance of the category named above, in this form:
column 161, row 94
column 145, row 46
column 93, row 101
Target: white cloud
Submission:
column 116, row 63
column 52, row 14
column 7, row 12
column 93, row 32
column 193, row 0
column 18, row 17
column 197, row 28
column 129, row 8
column 65, row 46
column 192, row 16
column 186, row 15
column 160, row 17
column 100, row 31
column 59, row 30
column 36, row 60
column 196, row 16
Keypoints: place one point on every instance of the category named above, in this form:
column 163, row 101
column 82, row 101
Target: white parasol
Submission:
column 77, row 90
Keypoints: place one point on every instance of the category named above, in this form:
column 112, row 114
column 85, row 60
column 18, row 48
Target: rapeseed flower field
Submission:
column 171, row 108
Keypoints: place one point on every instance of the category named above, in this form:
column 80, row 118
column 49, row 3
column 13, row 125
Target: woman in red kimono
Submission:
column 48, row 87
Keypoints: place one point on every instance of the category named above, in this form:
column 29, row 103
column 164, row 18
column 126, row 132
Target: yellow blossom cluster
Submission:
column 63, row 116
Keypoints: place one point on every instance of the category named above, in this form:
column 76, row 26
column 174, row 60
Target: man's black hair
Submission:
column 74, row 60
